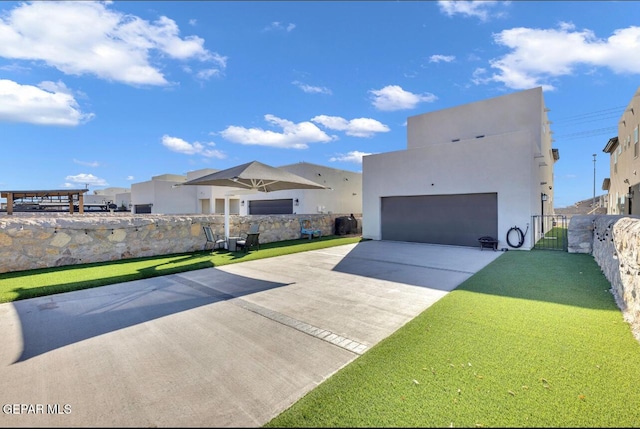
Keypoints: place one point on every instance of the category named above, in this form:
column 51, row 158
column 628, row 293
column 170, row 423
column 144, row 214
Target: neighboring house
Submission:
column 344, row 195
column 100, row 199
column 123, row 201
column 468, row 171
column 163, row 194
column 623, row 185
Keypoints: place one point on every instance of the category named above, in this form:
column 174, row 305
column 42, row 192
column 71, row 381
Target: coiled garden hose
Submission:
column 520, row 235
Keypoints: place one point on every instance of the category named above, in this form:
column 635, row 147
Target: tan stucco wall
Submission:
column 625, row 173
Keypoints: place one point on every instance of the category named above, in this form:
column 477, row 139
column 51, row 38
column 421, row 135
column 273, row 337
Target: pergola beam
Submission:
column 12, row 196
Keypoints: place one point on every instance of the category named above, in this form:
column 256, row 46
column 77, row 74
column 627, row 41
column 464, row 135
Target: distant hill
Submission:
column 584, row 207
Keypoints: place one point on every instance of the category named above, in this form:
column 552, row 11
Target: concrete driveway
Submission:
column 219, row 347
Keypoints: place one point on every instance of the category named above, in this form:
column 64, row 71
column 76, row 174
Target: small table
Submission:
column 231, row 243
column 489, row 242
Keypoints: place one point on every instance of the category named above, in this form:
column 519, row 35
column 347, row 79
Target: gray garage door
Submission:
column 142, row 208
column 267, row 207
column 440, row 219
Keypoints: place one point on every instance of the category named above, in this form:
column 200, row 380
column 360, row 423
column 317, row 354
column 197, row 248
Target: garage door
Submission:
column 267, row 207
column 142, row 208
column 440, row 219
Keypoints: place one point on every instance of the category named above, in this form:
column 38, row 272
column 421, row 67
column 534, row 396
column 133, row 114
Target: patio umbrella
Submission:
column 253, row 177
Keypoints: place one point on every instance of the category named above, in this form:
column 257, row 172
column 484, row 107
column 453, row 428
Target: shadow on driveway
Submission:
column 418, row 264
column 56, row 321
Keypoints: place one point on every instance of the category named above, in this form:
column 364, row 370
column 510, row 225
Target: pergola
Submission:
column 60, row 195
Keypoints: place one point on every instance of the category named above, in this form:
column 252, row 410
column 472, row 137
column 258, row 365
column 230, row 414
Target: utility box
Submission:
column 346, row 225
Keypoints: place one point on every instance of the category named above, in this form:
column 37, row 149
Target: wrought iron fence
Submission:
column 550, row 232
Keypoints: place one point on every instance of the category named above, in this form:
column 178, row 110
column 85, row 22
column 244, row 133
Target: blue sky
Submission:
column 113, row 93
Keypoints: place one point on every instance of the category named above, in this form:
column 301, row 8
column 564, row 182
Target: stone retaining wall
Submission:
column 29, row 241
column 614, row 242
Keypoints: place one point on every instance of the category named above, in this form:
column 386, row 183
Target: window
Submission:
column 635, row 142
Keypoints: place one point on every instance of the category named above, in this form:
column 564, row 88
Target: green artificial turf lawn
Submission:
column 534, row 339
column 555, row 239
column 33, row 283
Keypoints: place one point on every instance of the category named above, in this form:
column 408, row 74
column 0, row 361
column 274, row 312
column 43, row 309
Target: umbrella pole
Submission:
column 226, row 220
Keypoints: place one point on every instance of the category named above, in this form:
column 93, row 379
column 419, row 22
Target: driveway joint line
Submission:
column 314, row 331
column 319, row 333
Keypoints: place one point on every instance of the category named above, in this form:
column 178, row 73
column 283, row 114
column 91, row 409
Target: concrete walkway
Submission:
column 219, row 347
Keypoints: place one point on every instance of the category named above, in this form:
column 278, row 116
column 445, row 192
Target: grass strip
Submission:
column 534, row 339
column 47, row 281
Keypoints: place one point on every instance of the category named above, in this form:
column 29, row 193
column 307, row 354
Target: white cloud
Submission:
column 353, row 156
column 208, row 73
column 311, row 89
column 359, row 127
column 87, row 37
column 280, row 26
column 84, row 179
column 540, row 55
column 129, row 178
column 480, row 9
column 179, row 145
column 441, row 58
column 293, row 136
column 393, row 97
column 87, row 163
column 17, row 68
column 48, row 104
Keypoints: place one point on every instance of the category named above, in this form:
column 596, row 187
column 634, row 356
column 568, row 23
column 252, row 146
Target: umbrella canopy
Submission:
column 256, row 176
column 253, row 176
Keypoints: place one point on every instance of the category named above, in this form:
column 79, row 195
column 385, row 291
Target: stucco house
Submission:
column 100, row 199
column 162, row 194
column 623, row 183
column 469, row 171
column 344, row 195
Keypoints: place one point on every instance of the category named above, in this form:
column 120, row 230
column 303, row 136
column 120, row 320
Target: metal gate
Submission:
column 550, row 232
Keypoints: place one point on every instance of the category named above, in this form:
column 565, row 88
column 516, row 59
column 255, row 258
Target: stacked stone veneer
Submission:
column 29, row 241
column 614, row 242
